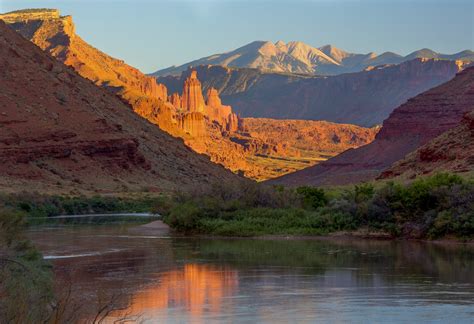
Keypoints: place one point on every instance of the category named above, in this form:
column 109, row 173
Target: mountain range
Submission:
column 298, row 57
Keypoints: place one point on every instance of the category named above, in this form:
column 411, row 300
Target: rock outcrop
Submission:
column 30, row 14
column 60, row 133
column 193, row 123
column 409, row 127
column 175, row 100
column 192, row 99
column 220, row 113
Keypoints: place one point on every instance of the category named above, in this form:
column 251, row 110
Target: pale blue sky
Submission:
column 156, row 34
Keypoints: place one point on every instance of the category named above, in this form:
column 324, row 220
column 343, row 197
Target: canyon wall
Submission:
column 410, row 126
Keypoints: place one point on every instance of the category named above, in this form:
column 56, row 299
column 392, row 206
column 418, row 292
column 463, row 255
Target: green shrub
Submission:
column 313, row 198
column 184, row 217
column 25, row 278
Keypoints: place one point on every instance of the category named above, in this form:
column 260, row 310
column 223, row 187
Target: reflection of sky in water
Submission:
column 201, row 281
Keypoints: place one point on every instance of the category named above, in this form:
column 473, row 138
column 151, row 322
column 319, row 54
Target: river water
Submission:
column 167, row 279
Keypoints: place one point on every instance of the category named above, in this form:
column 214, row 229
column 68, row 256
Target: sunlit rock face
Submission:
column 192, row 99
column 220, row 113
column 175, row 100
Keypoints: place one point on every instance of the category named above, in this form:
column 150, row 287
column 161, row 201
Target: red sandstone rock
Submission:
column 219, row 113
column 175, row 100
column 193, row 123
column 192, row 99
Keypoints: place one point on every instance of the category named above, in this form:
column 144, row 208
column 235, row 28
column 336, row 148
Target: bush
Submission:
column 313, row 198
column 25, row 279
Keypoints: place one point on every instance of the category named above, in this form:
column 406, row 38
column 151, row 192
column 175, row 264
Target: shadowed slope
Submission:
column 452, row 151
column 60, row 132
column 410, row 126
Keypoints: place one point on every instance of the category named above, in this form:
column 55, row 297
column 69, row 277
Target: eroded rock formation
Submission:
column 365, row 98
column 192, row 99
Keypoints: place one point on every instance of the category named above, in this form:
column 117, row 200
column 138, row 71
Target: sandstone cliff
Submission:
column 410, row 126
column 62, row 134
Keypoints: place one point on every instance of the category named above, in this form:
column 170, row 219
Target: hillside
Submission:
column 364, row 98
column 298, row 57
column 409, row 127
column 61, row 133
column 205, row 123
column 452, row 151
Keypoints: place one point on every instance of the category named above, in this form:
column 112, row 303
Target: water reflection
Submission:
column 196, row 289
column 197, row 280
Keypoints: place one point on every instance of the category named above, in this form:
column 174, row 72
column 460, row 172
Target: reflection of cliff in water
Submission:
column 195, row 288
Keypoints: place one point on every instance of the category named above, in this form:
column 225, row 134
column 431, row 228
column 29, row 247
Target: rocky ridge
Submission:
column 411, row 126
column 452, row 151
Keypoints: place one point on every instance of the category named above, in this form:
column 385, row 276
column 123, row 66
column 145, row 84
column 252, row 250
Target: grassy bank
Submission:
column 428, row 208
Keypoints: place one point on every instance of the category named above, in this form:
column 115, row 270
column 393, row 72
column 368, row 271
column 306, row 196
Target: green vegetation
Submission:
column 434, row 207
column 25, row 278
column 38, row 208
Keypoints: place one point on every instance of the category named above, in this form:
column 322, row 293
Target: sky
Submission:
column 152, row 35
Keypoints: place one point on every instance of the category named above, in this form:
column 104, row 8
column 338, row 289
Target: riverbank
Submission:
column 160, row 228
column 432, row 208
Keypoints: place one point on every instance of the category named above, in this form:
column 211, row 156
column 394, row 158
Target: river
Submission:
column 145, row 271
